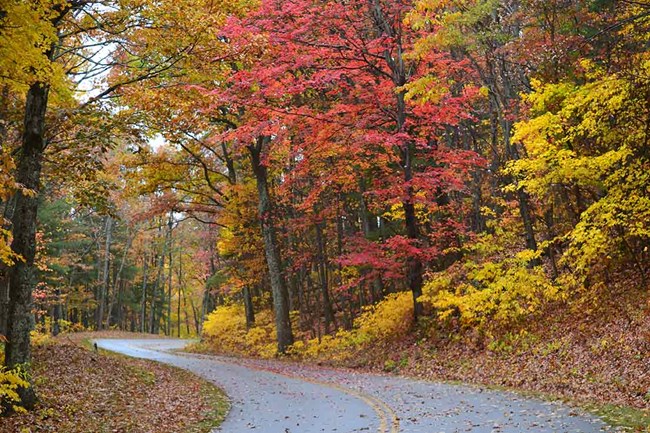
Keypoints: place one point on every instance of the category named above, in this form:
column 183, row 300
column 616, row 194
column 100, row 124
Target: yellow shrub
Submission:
column 10, row 381
column 386, row 321
column 225, row 331
column 500, row 291
column 390, row 319
column 39, row 338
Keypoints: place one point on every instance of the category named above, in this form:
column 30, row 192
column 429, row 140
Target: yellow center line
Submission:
column 387, row 416
column 385, row 413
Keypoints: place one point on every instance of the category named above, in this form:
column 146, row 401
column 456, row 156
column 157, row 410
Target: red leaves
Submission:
column 327, row 81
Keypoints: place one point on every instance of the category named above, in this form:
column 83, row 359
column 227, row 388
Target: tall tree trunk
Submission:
column 154, row 316
column 272, row 252
column 7, row 213
column 180, row 290
column 159, row 284
column 118, row 278
column 187, row 315
column 414, row 266
column 198, row 320
column 168, row 328
column 4, row 298
column 395, row 61
column 21, row 274
column 143, row 304
column 57, row 313
column 248, row 307
column 103, row 292
column 322, row 273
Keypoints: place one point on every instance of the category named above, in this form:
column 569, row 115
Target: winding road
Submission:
column 279, row 397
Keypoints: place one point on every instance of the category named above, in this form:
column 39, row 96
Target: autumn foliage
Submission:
column 320, row 178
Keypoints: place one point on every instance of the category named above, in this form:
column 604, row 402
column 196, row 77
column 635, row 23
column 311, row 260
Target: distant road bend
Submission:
column 278, row 397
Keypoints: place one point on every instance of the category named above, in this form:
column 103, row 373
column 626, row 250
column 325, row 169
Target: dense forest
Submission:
column 308, row 177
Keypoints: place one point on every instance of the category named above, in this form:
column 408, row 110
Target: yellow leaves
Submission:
column 455, row 23
column 495, row 285
column 503, row 291
column 225, row 331
column 396, row 212
column 590, row 141
column 388, row 320
column 10, row 381
column 487, row 212
column 427, row 89
column 225, row 241
column 26, row 33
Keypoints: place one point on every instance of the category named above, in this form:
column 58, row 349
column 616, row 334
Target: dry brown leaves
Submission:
column 85, row 392
column 593, row 351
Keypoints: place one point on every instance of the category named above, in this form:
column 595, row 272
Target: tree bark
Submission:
column 118, row 276
column 272, row 252
column 395, row 62
column 248, row 307
column 103, row 292
column 168, row 328
column 21, row 274
column 143, row 305
column 414, row 266
column 180, row 290
column 322, row 273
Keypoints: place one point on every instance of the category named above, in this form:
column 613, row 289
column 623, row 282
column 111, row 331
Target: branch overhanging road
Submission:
column 279, row 397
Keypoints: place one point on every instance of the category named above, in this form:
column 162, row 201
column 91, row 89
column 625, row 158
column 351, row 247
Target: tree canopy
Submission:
column 317, row 174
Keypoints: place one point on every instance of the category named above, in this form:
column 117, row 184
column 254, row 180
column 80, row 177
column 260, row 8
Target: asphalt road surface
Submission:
column 281, row 397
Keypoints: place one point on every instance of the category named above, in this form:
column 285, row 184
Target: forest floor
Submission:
column 83, row 391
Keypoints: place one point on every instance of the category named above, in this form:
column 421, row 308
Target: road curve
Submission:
column 277, row 397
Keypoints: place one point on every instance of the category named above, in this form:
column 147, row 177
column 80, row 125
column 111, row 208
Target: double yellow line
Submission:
column 388, row 420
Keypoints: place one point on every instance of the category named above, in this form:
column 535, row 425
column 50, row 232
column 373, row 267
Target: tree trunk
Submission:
column 4, row 298
column 168, row 329
column 198, row 320
column 180, row 290
column 21, row 274
column 322, row 273
column 143, row 305
column 272, row 252
column 7, row 213
column 103, row 292
column 248, row 307
column 395, row 61
column 118, row 278
column 414, row 266
column 56, row 313
column 155, row 316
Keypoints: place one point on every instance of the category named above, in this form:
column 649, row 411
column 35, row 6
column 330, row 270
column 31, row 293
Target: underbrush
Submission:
column 225, row 332
column 10, row 382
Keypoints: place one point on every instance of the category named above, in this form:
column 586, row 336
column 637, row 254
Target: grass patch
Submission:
column 216, row 413
column 630, row 418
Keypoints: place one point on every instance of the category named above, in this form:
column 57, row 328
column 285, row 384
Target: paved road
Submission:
column 277, row 397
